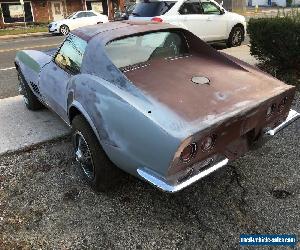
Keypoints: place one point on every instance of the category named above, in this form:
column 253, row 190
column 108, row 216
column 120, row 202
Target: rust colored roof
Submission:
column 117, row 29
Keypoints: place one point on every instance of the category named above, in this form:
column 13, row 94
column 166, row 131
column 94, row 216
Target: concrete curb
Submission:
column 38, row 34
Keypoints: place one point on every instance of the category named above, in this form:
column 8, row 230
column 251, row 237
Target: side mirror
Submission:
column 222, row 11
column 74, row 17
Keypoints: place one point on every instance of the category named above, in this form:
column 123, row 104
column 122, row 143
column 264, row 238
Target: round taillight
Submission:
column 271, row 109
column 188, row 152
column 208, row 143
column 282, row 104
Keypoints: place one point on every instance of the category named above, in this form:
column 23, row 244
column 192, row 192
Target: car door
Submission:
column 55, row 76
column 190, row 17
column 91, row 18
column 216, row 24
column 78, row 20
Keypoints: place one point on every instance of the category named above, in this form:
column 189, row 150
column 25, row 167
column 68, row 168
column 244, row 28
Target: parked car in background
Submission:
column 153, row 100
column 206, row 19
column 124, row 15
column 76, row 20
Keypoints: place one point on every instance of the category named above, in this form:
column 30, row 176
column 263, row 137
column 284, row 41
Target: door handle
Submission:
column 209, row 19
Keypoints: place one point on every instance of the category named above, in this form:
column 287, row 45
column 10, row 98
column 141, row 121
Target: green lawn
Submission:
column 20, row 30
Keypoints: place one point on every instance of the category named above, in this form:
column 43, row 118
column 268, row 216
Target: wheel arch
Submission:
column 239, row 25
column 77, row 109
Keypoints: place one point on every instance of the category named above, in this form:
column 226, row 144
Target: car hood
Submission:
column 185, row 102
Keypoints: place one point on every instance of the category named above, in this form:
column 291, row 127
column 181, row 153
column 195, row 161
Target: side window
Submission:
column 190, row 8
column 81, row 14
column 89, row 14
column 210, row 8
column 70, row 55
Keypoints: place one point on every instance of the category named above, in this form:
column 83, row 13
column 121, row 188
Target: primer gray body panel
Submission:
column 135, row 129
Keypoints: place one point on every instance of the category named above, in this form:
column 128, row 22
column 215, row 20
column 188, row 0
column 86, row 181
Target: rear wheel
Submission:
column 64, row 29
column 236, row 36
column 97, row 168
column 30, row 100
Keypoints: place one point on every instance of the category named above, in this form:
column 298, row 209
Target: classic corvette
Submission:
column 153, row 100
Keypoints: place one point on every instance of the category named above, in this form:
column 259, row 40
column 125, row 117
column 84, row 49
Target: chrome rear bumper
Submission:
column 292, row 116
column 162, row 183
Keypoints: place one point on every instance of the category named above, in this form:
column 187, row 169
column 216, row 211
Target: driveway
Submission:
column 45, row 203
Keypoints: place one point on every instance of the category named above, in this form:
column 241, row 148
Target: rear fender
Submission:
column 121, row 122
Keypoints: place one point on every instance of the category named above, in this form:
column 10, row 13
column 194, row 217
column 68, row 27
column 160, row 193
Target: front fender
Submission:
column 30, row 63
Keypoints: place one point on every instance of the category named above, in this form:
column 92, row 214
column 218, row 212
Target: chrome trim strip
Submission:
column 162, row 184
column 292, row 116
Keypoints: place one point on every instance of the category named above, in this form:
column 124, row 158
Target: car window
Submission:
column 210, row 8
column 89, row 14
column 152, row 8
column 190, row 8
column 69, row 56
column 81, row 14
column 143, row 48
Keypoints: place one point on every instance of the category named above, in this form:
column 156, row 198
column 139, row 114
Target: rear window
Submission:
column 140, row 49
column 150, row 9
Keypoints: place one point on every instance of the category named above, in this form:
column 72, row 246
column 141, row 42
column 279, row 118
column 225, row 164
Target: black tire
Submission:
column 236, row 36
column 30, row 100
column 105, row 174
column 64, row 30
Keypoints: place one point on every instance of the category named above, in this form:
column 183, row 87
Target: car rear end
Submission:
column 219, row 109
column 151, row 10
column 208, row 150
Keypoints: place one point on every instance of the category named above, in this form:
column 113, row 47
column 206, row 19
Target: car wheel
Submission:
column 98, row 170
column 30, row 100
column 64, row 29
column 236, row 37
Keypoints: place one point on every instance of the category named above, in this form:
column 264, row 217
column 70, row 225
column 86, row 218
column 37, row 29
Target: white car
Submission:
column 76, row 20
column 205, row 18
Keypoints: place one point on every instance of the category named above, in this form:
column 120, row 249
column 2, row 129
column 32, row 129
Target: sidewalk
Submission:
column 21, row 128
column 242, row 53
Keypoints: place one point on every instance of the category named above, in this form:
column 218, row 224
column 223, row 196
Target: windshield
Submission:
column 150, row 9
column 143, row 48
column 70, row 16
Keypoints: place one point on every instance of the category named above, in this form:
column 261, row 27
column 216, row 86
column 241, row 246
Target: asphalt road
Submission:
column 9, row 48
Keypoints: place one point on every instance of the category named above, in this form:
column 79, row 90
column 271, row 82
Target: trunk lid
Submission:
column 231, row 90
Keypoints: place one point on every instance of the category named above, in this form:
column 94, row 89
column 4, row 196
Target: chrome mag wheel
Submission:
column 83, row 155
column 237, row 37
column 64, row 30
